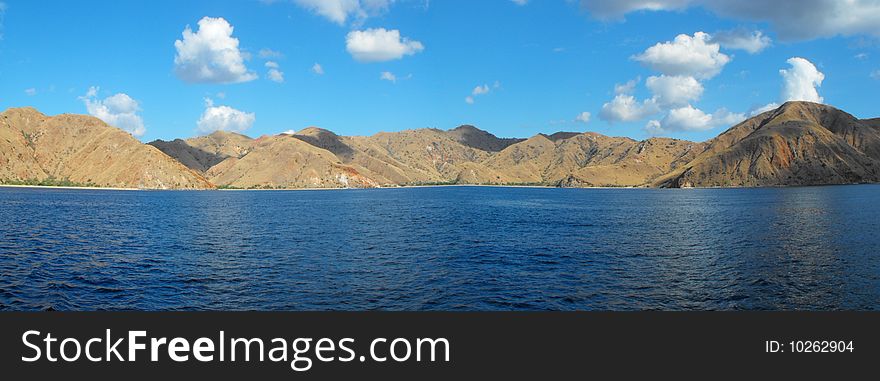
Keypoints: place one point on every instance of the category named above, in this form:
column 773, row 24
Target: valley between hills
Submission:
column 799, row 143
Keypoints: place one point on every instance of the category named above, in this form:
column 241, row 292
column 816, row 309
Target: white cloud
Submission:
column 616, row 9
column 654, row 128
column 224, row 118
column 318, row 69
column 583, row 117
column 520, row 2
column 211, row 54
column 764, row 108
column 274, row 73
column 625, row 108
column 480, row 90
column 377, row 45
column 691, row 56
column 742, row 39
column 674, row 90
column 118, row 110
column 690, row 118
column 800, row 82
column 289, row 132
column 792, row 19
column 861, row 56
column 628, row 87
column 875, row 74
column 269, row 53
column 388, row 76
column 30, row 92
column 339, row 11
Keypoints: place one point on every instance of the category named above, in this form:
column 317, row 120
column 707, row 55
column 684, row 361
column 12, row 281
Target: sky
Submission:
column 686, row 69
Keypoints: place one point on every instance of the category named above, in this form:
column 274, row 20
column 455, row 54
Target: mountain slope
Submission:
column 84, row 150
column 800, row 143
column 590, row 159
column 482, row 140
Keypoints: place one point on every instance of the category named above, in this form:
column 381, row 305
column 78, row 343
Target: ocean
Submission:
column 441, row 248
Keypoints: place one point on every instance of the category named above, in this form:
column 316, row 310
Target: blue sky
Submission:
column 512, row 69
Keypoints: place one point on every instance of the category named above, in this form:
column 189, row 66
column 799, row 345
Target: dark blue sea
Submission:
column 444, row 248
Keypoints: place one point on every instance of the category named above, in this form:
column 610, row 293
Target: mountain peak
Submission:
column 315, row 132
column 476, row 138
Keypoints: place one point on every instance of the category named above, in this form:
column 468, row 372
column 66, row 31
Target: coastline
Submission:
column 66, row 187
column 309, row 189
column 407, row 186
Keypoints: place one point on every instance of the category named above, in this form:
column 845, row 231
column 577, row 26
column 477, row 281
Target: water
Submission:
column 450, row 248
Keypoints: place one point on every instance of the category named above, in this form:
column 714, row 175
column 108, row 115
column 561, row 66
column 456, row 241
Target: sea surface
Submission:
column 443, row 248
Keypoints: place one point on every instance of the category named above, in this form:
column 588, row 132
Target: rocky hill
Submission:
column 82, row 150
column 800, row 143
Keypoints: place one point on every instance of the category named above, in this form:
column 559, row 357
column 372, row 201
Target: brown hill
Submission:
column 284, row 161
column 482, row 140
column 800, row 143
column 591, row 159
column 85, row 151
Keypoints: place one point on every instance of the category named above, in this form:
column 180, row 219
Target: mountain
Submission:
column 800, row 143
column 482, row 140
column 203, row 152
column 590, row 159
column 82, row 150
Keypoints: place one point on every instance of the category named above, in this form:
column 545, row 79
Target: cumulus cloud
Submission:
column 318, row 69
column 480, row 90
column 626, row 88
column 800, row 82
column 377, row 45
column 616, row 9
column 690, row 118
column 339, row 11
column 269, row 53
column 674, row 90
column 388, row 76
column 224, row 118
column 625, row 108
column 211, row 54
column 752, row 42
column 275, row 74
column 118, row 110
column 583, row 117
column 686, row 55
column 792, row 19
column 654, row 128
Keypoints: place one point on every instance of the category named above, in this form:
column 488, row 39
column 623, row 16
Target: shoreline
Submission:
column 309, row 189
column 67, row 187
column 408, row 186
